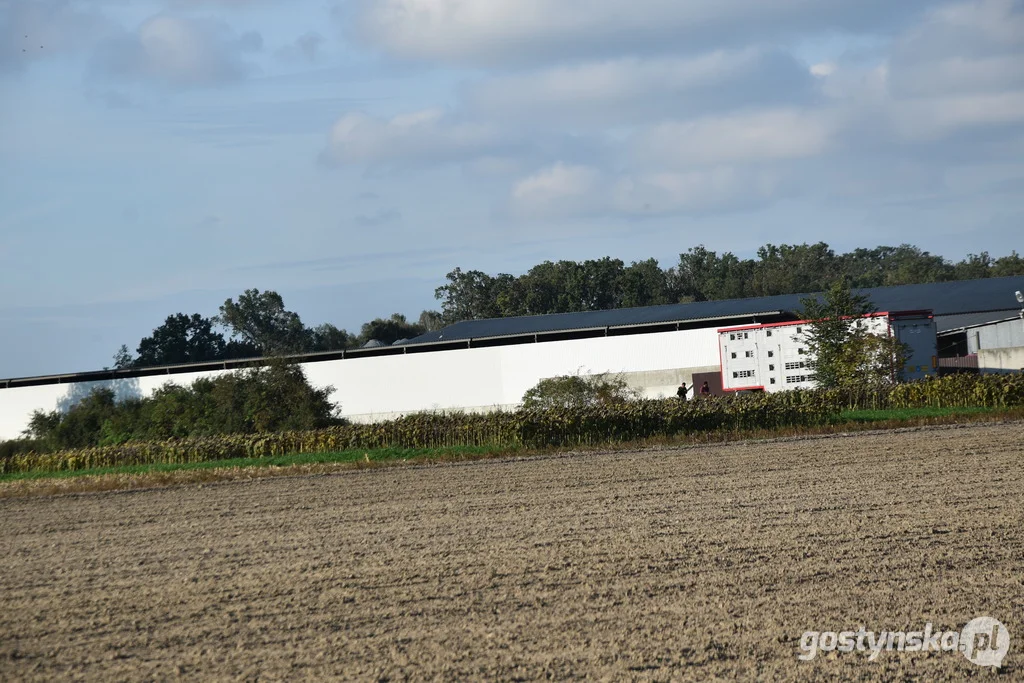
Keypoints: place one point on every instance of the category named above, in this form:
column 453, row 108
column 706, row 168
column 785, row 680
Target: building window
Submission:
column 772, row 380
column 749, row 354
column 800, row 351
column 793, row 379
column 799, row 330
column 795, row 365
column 771, row 368
column 733, row 354
column 732, row 337
column 768, row 333
column 743, row 373
column 746, row 335
column 771, row 354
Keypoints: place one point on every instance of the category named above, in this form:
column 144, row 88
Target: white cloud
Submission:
column 558, row 189
column 823, row 69
column 428, row 136
column 564, row 190
column 520, row 31
column 744, row 137
column 634, row 89
column 180, row 51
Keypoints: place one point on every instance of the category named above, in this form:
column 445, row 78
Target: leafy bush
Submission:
column 571, row 392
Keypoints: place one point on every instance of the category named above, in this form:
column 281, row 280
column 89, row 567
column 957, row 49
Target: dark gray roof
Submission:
column 942, row 298
column 957, row 323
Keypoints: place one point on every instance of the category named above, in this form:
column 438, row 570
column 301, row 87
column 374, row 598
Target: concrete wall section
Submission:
column 1001, row 360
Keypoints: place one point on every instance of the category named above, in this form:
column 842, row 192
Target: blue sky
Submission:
column 159, row 156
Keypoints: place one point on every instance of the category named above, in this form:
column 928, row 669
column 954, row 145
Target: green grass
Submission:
column 907, row 414
column 379, row 455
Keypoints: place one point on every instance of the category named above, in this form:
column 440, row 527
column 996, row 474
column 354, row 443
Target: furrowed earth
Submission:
column 698, row 563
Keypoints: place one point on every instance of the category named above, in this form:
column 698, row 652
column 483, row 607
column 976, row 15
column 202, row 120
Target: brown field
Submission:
column 699, row 563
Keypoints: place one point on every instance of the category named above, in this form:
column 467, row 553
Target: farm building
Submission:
column 995, row 346
column 486, row 364
column 773, row 357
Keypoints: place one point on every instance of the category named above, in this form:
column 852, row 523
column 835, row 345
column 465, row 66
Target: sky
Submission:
column 160, row 156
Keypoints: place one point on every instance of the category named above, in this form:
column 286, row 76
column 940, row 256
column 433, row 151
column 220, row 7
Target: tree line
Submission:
column 258, row 324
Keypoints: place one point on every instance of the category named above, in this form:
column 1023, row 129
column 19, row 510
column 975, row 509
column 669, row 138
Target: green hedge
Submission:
column 533, row 429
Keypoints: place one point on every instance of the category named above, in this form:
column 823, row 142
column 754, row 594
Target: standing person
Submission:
column 681, row 391
column 705, row 390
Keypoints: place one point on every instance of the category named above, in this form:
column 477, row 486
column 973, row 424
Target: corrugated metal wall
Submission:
column 1005, row 335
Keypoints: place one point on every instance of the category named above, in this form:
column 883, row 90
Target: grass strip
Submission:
column 354, row 456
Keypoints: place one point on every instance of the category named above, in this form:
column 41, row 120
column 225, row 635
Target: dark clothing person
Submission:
column 681, row 391
column 705, row 390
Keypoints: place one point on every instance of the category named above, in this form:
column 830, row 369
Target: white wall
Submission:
column 1001, row 360
column 386, row 386
column 1003, row 335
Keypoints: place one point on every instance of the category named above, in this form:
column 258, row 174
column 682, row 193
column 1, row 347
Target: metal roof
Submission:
column 951, row 324
column 942, row 298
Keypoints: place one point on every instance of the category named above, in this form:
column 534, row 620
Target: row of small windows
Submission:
column 733, row 336
column 796, row 365
column 742, row 373
column 771, row 354
column 793, row 379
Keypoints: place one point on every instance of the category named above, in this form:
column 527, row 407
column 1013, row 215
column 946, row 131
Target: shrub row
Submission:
column 532, row 428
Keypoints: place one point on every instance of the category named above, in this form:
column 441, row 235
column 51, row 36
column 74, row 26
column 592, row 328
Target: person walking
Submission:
column 681, row 391
column 705, row 390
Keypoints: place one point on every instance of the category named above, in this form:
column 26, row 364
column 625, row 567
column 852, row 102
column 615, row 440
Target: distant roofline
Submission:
column 957, row 330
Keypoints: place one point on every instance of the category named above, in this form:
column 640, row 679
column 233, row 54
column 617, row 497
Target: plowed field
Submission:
column 698, row 563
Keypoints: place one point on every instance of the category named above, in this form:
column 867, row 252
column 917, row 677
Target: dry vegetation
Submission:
column 703, row 563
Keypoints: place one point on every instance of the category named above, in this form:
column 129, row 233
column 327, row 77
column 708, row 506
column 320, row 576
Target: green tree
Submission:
column 843, row 352
column 260, row 319
column 389, row 330
column 181, row 339
column 327, row 337
column 791, row 269
column 470, row 295
column 1006, row 266
column 644, row 283
column 703, row 275
column 123, row 358
column 430, row 321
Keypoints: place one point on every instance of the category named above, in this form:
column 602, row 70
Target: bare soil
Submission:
column 700, row 564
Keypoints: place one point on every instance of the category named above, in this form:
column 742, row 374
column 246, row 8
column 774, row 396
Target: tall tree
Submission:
column 327, row 337
column 389, row 330
column 260, row 318
column 181, row 339
column 789, row 269
column 644, row 283
column 842, row 352
column 1008, row 265
column 469, row 295
column 430, row 321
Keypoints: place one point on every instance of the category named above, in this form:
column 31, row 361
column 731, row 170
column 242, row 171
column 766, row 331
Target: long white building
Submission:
column 487, row 364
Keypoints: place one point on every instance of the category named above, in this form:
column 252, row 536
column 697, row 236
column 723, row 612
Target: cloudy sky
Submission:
column 159, row 156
